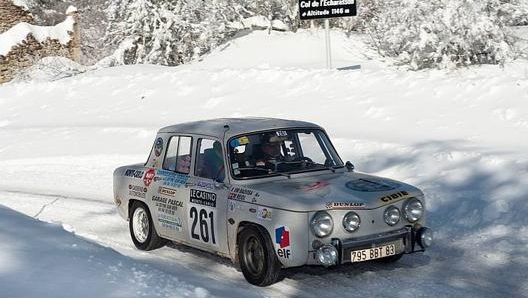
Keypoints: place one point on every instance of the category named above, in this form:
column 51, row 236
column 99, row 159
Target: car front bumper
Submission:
column 405, row 240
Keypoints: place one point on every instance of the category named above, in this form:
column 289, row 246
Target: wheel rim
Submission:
column 140, row 225
column 254, row 256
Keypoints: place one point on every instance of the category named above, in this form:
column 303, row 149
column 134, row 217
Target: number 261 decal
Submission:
column 202, row 225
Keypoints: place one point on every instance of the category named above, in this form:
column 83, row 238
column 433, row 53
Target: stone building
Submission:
column 37, row 41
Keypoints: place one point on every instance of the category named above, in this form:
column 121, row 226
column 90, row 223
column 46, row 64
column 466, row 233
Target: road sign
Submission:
column 323, row 9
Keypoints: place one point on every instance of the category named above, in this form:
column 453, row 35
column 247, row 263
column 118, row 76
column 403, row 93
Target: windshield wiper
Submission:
column 268, row 171
column 318, row 164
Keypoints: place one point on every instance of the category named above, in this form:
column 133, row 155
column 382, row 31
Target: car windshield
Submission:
column 281, row 152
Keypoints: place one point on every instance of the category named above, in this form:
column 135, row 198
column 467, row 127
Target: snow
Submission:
column 458, row 135
column 71, row 9
column 21, row 3
column 18, row 33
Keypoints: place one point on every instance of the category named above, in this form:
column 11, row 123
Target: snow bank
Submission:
column 18, row 33
column 43, row 260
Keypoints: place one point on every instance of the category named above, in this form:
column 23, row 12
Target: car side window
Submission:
column 178, row 156
column 210, row 160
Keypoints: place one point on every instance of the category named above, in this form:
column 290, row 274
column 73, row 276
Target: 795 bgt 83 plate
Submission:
column 373, row 253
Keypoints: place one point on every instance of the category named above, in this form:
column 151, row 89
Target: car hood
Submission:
column 349, row 190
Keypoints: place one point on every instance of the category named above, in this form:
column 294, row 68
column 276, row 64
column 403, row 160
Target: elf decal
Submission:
column 282, row 240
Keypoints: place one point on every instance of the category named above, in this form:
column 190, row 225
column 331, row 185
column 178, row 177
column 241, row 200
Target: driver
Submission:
column 271, row 150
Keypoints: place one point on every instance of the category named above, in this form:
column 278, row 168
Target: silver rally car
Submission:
column 268, row 194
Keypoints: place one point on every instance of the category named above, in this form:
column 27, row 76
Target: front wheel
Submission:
column 142, row 229
column 257, row 258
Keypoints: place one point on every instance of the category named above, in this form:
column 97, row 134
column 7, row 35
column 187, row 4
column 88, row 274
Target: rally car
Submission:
column 268, row 194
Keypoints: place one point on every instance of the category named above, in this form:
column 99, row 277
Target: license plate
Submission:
column 373, row 253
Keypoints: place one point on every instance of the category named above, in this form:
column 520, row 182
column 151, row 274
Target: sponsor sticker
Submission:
column 371, row 185
column 315, row 186
column 158, row 146
column 137, row 191
column 240, row 194
column 264, row 213
column 282, row 242
column 171, row 179
column 204, row 198
column 134, row 173
column 344, row 205
column 172, row 223
column 166, row 191
column 395, row 196
column 149, row 176
column 240, row 141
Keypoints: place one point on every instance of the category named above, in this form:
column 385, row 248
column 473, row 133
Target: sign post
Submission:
column 325, row 9
column 328, row 47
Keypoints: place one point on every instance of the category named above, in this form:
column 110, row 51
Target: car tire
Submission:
column 142, row 229
column 256, row 257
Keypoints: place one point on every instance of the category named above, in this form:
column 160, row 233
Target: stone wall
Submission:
column 31, row 50
column 10, row 15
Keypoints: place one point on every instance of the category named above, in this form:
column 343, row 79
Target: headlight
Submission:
column 351, row 221
column 391, row 215
column 413, row 209
column 321, row 224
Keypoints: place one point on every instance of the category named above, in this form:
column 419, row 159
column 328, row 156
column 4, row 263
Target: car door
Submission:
column 207, row 202
column 169, row 190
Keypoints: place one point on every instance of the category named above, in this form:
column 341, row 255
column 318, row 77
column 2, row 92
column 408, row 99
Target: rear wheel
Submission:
column 257, row 258
column 142, row 229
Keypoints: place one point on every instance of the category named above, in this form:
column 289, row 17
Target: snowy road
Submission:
column 478, row 261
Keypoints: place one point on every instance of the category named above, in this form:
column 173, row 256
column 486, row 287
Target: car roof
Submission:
column 235, row 126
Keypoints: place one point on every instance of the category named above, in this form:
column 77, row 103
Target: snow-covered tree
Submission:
column 168, row 32
column 444, row 33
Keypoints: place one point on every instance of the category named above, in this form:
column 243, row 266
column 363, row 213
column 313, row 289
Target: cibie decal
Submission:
column 395, row 196
column 149, row 176
column 158, row 146
column 282, row 240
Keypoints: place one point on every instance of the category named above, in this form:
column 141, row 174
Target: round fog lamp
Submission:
column 327, row 255
column 425, row 237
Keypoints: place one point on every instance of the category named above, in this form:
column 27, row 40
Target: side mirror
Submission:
column 349, row 166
